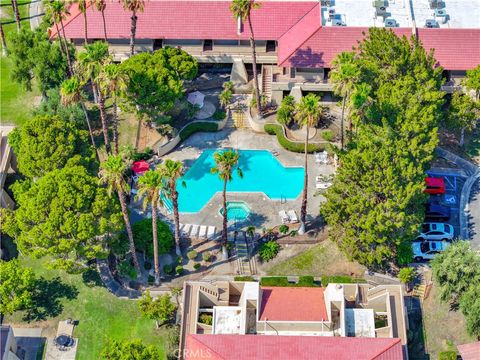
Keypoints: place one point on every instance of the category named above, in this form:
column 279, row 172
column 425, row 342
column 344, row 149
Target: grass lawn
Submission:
column 16, row 103
column 101, row 315
column 320, row 260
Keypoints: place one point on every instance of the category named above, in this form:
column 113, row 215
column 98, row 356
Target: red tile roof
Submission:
column 469, row 351
column 293, row 304
column 186, row 19
column 267, row 347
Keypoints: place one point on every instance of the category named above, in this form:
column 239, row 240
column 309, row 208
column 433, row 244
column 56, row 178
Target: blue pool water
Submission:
column 262, row 172
column 236, row 210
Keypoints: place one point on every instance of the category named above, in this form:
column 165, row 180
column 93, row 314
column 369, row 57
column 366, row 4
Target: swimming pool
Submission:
column 262, row 172
column 236, row 210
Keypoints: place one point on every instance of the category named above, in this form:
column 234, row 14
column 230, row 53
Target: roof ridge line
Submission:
column 308, row 12
column 197, row 340
column 71, row 18
column 387, row 348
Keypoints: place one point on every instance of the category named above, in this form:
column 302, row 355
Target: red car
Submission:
column 435, row 186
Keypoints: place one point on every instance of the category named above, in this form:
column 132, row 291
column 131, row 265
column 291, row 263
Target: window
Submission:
column 207, row 45
column 226, row 42
column 157, row 44
column 271, row 45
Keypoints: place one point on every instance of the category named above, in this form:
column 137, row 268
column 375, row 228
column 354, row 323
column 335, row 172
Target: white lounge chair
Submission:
column 293, row 216
column 211, row 232
column 283, row 215
column 203, row 232
column 186, row 230
column 322, row 185
column 194, row 231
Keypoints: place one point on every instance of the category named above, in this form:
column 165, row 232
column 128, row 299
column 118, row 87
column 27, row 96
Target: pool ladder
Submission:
column 283, row 199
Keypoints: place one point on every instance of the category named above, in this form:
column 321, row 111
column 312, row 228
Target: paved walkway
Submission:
column 114, row 286
column 35, row 13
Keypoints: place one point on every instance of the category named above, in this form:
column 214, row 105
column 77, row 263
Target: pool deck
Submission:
column 263, row 210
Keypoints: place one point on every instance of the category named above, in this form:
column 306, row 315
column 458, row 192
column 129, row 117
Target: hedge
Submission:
column 243, row 278
column 194, row 127
column 303, row 281
column 274, row 129
column 340, row 280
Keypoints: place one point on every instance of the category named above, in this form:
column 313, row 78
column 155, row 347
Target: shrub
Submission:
column 274, row 281
column 327, row 135
column 143, row 237
column 447, row 355
column 219, row 115
column 299, row 147
column 269, row 250
column 197, row 266
column 147, row 265
column 192, row 254
column 283, row 229
column 206, row 256
column 192, row 128
column 126, row 269
column 179, row 269
column 206, row 319
column 306, row 281
column 243, row 278
column 406, row 274
column 340, row 279
column 168, row 269
column 286, row 110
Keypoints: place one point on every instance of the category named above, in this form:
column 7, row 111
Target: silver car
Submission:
column 435, row 231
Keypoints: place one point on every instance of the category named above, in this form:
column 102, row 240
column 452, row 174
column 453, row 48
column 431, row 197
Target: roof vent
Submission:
column 331, row 14
column 338, row 286
column 338, row 22
column 326, row 2
column 431, row 24
column 390, row 23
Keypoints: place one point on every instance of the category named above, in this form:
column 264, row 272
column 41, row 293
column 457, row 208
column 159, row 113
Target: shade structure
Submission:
column 196, row 98
column 139, row 167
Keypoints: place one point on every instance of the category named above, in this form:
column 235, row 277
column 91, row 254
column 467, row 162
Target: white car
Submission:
column 435, row 231
column 426, row 250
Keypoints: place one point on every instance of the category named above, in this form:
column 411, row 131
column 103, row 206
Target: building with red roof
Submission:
column 249, row 321
column 296, row 41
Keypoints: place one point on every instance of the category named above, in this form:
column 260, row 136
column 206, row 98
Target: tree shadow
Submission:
column 47, row 298
column 91, row 278
column 307, row 58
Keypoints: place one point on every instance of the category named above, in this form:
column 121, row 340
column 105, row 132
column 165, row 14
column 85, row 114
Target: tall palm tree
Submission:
column 344, row 75
column 71, row 93
column 112, row 174
column 149, row 187
column 100, row 5
column 57, row 10
column 16, row 13
column 113, row 82
column 241, row 9
column 4, row 42
column 308, row 112
column 82, row 6
column 134, row 6
column 172, row 171
column 226, row 162
column 90, row 63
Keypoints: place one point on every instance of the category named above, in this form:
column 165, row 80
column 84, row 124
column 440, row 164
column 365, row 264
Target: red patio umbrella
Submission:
column 139, row 167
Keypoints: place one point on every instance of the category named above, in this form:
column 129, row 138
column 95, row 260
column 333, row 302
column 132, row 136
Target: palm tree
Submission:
column 82, row 6
column 16, row 13
column 90, row 63
column 113, row 82
column 4, row 42
column 100, row 5
column 344, row 75
column 71, row 93
column 149, row 187
column 225, row 164
column 112, row 174
column 57, row 10
column 241, row 9
column 307, row 114
column 171, row 171
column 133, row 6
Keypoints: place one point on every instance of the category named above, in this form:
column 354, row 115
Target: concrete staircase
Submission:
column 243, row 254
column 267, row 78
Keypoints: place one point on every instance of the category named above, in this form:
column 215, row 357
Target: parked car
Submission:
column 435, row 186
column 436, row 212
column 426, row 250
column 435, row 231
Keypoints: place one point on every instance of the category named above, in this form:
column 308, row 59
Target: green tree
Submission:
column 90, row 64
column 134, row 6
column 463, row 114
column 308, row 112
column 344, row 75
column 129, row 350
column 226, row 162
column 160, row 309
column 100, row 5
column 455, row 270
column 242, row 10
column 286, row 111
column 155, row 81
column 406, row 275
column 112, row 174
column 172, row 171
column 225, row 98
column 71, row 93
column 113, row 83
column 150, row 188
column 15, row 287
column 472, row 81
column 57, row 10
column 46, row 143
column 65, row 215
column 470, row 307
column 16, row 14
